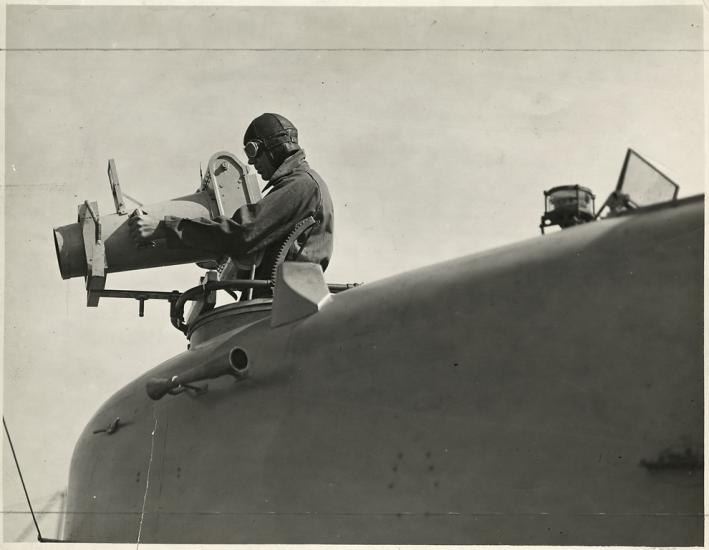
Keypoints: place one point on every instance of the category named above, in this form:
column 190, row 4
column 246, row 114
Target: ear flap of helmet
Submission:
column 281, row 152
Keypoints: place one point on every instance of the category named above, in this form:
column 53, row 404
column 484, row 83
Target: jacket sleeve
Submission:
column 252, row 227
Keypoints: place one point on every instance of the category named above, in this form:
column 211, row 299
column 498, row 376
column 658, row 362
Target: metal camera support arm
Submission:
column 141, row 296
column 95, row 251
column 179, row 299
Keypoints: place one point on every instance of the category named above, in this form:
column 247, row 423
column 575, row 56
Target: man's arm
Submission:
column 251, row 228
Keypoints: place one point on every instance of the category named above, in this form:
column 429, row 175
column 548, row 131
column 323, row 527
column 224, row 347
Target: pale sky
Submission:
column 436, row 129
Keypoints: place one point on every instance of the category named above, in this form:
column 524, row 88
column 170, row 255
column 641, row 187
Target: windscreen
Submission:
column 644, row 183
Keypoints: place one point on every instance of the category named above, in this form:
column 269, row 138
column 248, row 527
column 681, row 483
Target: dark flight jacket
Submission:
column 296, row 191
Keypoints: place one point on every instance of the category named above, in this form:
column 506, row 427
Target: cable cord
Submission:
column 40, row 538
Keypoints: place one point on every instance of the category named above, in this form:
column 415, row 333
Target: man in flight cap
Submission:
column 295, row 191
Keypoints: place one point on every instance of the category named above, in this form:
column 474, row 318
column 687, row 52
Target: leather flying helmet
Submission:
column 273, row 134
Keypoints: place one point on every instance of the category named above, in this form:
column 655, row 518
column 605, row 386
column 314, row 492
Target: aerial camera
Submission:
column 100, row 244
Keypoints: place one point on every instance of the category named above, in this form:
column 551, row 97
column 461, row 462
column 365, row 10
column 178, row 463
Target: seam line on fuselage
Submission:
column 147, row 478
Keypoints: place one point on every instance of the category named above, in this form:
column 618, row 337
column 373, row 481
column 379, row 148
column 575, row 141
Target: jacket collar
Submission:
column 288, row 167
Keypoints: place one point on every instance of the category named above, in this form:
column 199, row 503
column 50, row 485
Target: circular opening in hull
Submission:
column 239, row 361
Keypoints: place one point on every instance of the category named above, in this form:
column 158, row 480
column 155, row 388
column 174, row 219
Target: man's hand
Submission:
column 144, row 228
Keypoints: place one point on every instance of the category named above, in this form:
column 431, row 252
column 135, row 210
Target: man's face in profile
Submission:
column 263, row 165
